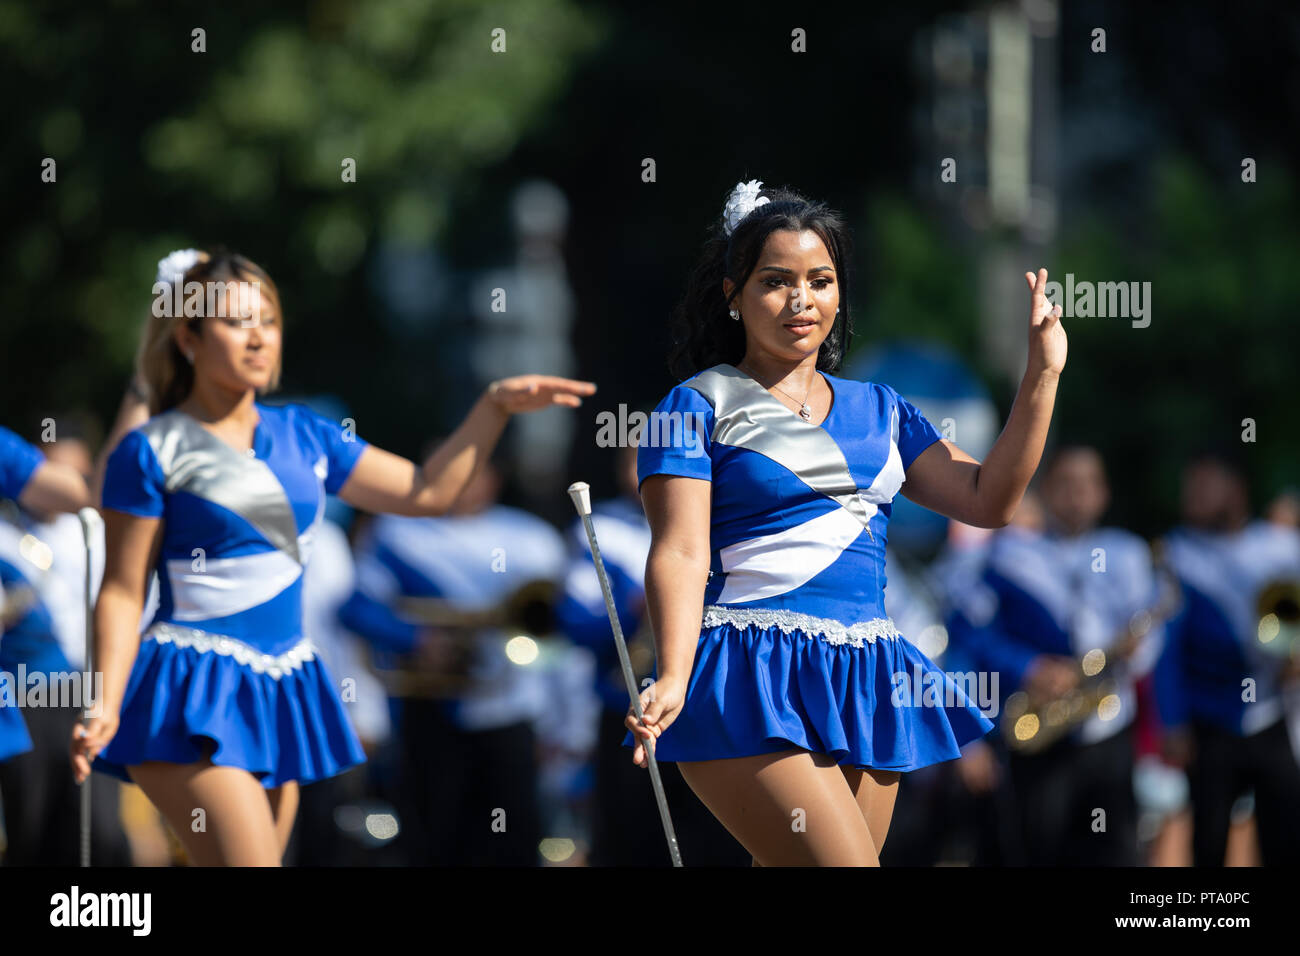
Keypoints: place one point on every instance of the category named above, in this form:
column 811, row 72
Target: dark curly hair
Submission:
column 703, row 332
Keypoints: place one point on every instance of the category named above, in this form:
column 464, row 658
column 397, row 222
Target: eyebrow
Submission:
column 790, row 272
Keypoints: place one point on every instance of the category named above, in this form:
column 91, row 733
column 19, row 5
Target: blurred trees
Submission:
column 160, row 147
column 1222, row 346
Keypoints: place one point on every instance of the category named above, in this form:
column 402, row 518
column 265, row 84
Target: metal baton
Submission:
column 580, row 492
column 91, row 524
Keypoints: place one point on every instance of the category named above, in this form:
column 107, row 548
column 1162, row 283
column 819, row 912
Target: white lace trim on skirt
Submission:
column 830, row 630
column 276, row 665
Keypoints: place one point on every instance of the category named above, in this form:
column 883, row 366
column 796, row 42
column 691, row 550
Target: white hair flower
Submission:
column 743, row 200
column 176, row 264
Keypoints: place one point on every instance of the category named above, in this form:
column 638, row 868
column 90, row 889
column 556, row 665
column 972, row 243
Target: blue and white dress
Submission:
column 795, row 648
column 18, row 462
column 224, row 661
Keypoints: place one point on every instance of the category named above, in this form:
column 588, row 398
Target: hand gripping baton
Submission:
column 581, row 495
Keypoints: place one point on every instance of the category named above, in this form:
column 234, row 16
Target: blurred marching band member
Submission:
column 566, row 737
column 1284, row 509
column 42, row 571
column 1220, row 691
column 65, row 581
column 931, row 822
column 222, row 703
column 469, row 775
column 40, row 485
column 46, row 486
column 972, row 796
column 328, row 582
column 625, row 823
column 1045, row 600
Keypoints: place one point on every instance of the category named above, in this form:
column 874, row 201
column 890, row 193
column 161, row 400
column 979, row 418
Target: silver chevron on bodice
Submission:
column 746, row 415
column 199, row 463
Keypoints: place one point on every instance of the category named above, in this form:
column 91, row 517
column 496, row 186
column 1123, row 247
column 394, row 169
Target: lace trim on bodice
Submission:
column 830, row 630
column 276, row 665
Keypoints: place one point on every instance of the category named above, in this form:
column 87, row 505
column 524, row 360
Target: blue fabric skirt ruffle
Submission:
column 757, row 690
column 178, row 699
column 14, row 739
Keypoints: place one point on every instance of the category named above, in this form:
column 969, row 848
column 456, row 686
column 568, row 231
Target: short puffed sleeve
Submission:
column 18, row 462
column 133, row 479
column 676, row 438
column 340, row 445
column 915, row 433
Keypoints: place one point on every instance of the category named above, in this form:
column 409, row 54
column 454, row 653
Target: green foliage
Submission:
column 159, row 147
column 1222, row 345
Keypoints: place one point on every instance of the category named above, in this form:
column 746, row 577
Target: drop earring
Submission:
column 735, row 315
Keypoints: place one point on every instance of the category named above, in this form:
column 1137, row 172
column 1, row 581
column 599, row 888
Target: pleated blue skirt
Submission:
column 882, row 705
column 181, row 701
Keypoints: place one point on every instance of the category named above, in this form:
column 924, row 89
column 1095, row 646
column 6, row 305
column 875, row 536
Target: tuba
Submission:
column 1030, row 725
column 526, row 615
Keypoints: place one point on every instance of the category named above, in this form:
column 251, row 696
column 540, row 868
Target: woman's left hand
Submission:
column 528, row 393
column 1046, row 336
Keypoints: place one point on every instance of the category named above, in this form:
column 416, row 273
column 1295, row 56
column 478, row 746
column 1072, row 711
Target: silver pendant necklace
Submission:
column 804, row 411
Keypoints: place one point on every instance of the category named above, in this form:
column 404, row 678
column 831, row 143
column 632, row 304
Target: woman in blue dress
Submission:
column 40, row 485
column 221, row 708
column 783, row 691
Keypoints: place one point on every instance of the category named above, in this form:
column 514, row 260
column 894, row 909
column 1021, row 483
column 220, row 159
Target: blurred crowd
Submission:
column 1147, row 694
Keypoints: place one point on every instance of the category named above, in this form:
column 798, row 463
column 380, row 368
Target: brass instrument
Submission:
column 528, row 611
column 1030, row 725
column 1278, row 611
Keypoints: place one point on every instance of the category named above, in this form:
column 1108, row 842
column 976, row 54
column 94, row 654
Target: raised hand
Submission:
column 1047, row 344
column 528, row 393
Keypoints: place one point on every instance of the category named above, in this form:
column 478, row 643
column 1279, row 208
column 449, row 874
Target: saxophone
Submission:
column 1032, row 724
column 1278, row 611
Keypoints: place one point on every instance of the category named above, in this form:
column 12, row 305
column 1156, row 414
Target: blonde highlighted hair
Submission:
column 160, row 367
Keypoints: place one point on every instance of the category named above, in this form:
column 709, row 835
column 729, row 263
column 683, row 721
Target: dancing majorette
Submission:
column 27, row 478
column 221, row 703
column 785, row 694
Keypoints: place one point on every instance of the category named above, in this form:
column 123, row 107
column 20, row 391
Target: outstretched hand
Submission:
column 1047, row 344
column 529, row 393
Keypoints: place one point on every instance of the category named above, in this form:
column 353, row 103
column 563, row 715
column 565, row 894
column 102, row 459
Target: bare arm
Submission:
column 677, row 568
column 131, row 546
column 54, row 487
column 383, row 482
column 945, row 479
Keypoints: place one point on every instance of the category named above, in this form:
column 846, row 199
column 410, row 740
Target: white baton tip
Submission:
column 90, row 519
column 580, row 492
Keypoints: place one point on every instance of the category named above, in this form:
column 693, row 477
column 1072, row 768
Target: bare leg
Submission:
column 284, row 807
column 792, row 808
column 874, row 791
column 238, row 827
